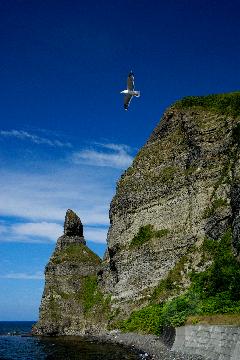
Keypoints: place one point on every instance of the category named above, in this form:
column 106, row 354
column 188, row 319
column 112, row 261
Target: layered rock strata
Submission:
column 71, row 302
column 182, row 187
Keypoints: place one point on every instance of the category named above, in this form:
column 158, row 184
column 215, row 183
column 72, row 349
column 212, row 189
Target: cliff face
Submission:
column 182, row 191
column 71, row 302
column 183, row 186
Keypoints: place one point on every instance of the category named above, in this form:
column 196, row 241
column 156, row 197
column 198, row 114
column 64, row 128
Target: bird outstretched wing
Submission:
column 130, row 81
column 127, row 99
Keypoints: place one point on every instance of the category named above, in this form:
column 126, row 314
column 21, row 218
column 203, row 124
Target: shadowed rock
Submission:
column 73, row 231
column 72, row 225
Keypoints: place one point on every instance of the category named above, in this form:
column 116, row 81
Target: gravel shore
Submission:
column 150, row 346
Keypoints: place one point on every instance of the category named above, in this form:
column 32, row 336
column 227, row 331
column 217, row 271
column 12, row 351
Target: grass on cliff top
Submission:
column 215, row 291
column 76, row 253
column 228, row 104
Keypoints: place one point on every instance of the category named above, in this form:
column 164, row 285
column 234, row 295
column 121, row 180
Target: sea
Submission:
column 15, row 344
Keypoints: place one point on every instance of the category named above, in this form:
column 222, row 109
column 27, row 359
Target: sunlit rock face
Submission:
column 182, row 187
column 71, row 303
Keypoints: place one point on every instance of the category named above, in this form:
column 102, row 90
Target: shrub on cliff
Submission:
column 213, row 291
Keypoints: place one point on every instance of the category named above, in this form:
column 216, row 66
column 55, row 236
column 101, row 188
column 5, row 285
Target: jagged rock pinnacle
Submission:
column 73, row 231
column 70, row 272
column 72, row 225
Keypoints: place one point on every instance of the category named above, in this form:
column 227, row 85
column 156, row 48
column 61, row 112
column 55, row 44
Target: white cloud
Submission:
column 97, row 235
column 116, row 147
column 34, row 197
column 23, row 276
column 24, row 135
column 47, row 196
column 119, row 157
column 46, row 232
column 43, row 229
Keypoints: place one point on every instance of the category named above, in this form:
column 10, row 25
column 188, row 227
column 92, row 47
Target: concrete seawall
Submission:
column 212, row 342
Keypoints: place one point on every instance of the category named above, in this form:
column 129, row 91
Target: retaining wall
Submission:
column 212, row 342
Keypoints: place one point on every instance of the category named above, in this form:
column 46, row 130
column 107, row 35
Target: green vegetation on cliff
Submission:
column 89, row 294
column 91, row 297
column 75, row 253
column 171, row 284
column 146, row 233
column 217, row 203
column 221, row 279
column 213, row 291
column 54, row 311
column 228, row 104
column 88, row 297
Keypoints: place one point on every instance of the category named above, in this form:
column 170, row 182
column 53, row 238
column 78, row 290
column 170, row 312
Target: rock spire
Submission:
column 72, row 303
column 72, row 225
column 73, row 231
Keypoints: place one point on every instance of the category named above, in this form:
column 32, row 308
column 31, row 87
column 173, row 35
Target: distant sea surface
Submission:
column 15, row 345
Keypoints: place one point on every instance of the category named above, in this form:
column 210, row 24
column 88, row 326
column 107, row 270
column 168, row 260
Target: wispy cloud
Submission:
column 116, row 147
column 97, row 235
column 44, row 229
column 117, row 157
column 39, row 197
column 24, row 135
column 34, row 200
column 23, row 276
column 45, row 232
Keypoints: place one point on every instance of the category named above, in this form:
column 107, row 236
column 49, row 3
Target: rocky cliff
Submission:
column 182, row 188
column 175, row 214
column 71, row 302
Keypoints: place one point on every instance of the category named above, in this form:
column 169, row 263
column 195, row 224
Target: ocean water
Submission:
column 15, row 345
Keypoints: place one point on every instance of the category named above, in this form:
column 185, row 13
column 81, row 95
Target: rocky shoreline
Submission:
column 149, row 346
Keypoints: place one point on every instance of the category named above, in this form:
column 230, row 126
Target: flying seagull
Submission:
column 130, row 92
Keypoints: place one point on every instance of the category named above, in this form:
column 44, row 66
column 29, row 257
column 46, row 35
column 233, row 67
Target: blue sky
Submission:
column 65, row 138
